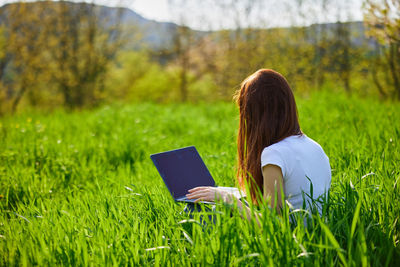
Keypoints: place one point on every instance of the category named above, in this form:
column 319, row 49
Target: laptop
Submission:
column 182, row 169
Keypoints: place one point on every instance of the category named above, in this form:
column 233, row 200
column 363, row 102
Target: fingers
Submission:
column 208, row 193
column 196, row 195
column 200, row 194
column 199, row 188
column 203, row 193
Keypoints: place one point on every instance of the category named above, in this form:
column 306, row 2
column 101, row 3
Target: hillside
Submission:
column 154, row 33
column 159, row 35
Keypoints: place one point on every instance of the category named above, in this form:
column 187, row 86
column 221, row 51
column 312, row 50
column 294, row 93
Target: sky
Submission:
column 217, row 14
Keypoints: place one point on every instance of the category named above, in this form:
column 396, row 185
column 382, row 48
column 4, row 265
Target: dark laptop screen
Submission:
column 181, row 170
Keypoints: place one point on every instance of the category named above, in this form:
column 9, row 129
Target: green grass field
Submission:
column 80, row 188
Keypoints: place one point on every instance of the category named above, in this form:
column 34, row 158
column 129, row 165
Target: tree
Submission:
column 341, row 54
column 22, row 58
column 383, row 20
column 57, row 47
column 81, row 49
column 182, row 42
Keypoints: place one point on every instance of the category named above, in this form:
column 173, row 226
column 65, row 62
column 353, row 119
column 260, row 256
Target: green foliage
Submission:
column 60, row 53
column 134, row 77
column 80, row 189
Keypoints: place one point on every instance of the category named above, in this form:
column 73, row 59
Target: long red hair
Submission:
column 268, row 114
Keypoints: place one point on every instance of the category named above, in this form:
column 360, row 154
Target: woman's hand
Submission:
column 210, row 193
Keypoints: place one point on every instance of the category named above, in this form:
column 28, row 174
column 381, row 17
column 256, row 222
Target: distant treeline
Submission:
column 81, row 55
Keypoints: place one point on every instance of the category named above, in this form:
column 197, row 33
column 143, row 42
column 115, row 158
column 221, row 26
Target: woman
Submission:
column 273, row 153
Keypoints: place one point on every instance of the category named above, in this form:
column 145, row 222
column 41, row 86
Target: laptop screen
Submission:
column 182, row 169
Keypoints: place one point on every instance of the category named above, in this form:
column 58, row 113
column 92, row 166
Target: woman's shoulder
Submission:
column 280, row 154
column 301, row 140
column 282, row 148
column 292, row 145
column 288, row 141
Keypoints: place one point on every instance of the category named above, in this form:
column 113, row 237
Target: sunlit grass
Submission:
column 80, row 188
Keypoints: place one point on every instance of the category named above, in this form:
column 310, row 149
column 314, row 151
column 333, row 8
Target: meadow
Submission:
column 80, row 189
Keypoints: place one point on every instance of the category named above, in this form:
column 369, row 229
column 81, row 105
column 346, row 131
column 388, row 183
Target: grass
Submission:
column 80, row 188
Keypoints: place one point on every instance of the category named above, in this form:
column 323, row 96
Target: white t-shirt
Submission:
column 300, row 157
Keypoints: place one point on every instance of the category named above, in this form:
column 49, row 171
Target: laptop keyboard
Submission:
column 185, row 199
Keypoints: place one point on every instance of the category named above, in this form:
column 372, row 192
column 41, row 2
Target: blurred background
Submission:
column 78, row 55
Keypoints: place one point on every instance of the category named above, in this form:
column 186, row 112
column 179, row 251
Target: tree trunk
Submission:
column 393, row 69
column 18, row 98
column 183, row 84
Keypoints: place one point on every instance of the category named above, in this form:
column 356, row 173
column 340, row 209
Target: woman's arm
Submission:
column 213, row 194
column 273, row 182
